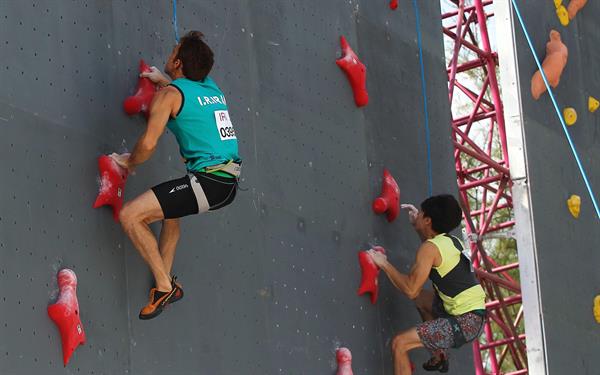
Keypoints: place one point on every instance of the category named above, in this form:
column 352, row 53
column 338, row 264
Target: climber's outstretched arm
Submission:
column 410, row 284
column 163, row 105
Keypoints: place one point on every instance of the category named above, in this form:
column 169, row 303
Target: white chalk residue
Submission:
column 105, row 184
column 332, row 357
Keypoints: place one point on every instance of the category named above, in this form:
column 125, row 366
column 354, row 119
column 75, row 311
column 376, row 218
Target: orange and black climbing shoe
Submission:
column 437, row 364
column 158, row 300
column 178, row 293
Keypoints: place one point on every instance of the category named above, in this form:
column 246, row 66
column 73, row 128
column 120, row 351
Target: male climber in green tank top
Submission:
column 194, row 109
column 454, row 312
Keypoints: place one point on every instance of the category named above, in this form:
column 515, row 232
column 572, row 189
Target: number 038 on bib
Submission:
column 224, row 126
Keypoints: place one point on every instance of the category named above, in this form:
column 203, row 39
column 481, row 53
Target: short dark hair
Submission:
column 195, row 55
column 444, row 212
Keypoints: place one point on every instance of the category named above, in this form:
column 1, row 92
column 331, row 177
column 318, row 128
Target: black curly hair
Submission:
column 444, row 212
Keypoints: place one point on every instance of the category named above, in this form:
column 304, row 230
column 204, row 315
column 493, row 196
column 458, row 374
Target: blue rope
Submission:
column 175, row 20
column 560, row 117
column 424, row 90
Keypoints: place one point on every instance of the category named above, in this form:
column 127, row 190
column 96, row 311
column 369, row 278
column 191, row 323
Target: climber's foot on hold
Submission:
column 159, row 300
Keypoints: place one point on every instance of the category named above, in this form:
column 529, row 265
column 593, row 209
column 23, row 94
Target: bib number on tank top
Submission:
column 224, row 125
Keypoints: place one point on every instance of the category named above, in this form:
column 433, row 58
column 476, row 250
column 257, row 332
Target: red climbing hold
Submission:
column 356, row 73
column 112, row 185
column 393, row 4
column 370, row 272
column 65, row 314
column 140, row 101
column 344, row 361
column 389, row 200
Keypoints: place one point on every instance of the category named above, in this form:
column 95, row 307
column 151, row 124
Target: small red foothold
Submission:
column 370, row 273
column 344, row 361
column 355, row 71
column 393, row 4
column 389, row 200
column 140, row 101
column 65, row 314
column 112, row 185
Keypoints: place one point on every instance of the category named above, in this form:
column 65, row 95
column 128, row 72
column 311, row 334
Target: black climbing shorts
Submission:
column 195, row 193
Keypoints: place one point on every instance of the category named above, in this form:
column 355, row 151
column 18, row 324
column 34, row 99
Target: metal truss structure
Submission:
column 482, row 168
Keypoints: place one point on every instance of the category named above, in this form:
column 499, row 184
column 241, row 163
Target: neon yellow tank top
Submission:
column 454, row 279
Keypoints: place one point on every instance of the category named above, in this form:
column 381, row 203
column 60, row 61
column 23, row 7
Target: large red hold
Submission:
column 356, row 73
column 393, row 4
column 344, row 361
column 112, row 185
column 140, row 101
column 65, row 314
column 370, row 272
column 389, row 200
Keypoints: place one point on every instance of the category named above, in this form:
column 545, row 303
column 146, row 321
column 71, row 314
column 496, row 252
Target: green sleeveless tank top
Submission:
column 202, row 127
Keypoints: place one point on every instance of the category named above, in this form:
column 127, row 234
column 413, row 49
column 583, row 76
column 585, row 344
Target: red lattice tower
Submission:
column 482, row 169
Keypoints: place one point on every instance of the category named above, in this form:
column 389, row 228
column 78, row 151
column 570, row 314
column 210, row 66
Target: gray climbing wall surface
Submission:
column 567, row 248
column 271, row 280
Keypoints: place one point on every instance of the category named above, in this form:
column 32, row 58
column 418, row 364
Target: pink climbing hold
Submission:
column 389, row 200
column 393, row 4
column 65, row 314
column 112, row 185
column 369, row 282
column 355, row 72
column 344, row 361
column 141, row 100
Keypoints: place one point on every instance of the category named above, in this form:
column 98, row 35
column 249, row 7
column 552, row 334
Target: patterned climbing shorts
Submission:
column 439, row 334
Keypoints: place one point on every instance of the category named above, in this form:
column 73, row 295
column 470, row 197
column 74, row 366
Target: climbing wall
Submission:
column 566, row 248
column 271, row 280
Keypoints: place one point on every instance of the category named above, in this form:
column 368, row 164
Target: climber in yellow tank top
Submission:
column 454, row 312
column 462, row 293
